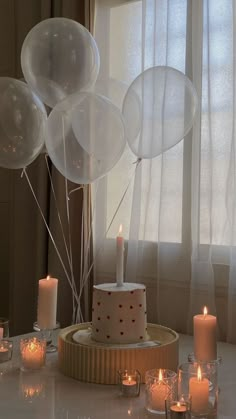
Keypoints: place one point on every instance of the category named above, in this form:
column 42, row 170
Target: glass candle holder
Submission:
column 4, row 328
column 160, row 385
column 129, row 383
column 179, row 409
column 5, row 350
column 199, row 380
column 33, row 353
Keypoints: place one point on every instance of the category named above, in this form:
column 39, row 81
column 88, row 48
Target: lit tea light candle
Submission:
column 159, row 393
column 199, row 391
column 205, row 344
column 47, row 303
column 120, row 258
column 129, row 382
column 178, row 410
column 33, row 353
column 5, row 350
column 129, row 386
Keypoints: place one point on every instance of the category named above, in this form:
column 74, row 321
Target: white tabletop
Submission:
column 61, row 397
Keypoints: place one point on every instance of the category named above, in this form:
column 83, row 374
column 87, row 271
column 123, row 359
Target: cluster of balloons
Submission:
column 86, row 131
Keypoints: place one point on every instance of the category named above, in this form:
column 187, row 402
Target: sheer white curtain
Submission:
column 178, row 209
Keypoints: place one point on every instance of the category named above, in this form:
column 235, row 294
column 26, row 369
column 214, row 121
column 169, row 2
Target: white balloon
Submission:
column 22, row 124
column 165, row 114
column 59, row 57
column 85, row 137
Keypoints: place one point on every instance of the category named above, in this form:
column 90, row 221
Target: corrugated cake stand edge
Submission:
column 99, row 363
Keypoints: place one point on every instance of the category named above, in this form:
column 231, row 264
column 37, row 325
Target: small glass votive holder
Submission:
column 160, row 385
column 4, row 328
column 33, row 353
column 6, row 347
column 179, row 409
column 129, row 383
column 199, row 380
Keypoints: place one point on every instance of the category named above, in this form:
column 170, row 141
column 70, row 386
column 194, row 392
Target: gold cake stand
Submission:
column 86, row 360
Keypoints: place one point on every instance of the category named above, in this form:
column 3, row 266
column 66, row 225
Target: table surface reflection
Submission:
column 50, row 395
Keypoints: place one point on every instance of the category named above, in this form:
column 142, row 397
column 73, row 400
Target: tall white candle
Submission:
column 120, row 258
column 47, row 303
column 205, row 344
column 199, row 392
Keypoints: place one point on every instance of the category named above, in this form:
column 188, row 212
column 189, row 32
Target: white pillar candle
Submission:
column 47, row 303
column 205, row 345
column 119, row 258
column 199, row 392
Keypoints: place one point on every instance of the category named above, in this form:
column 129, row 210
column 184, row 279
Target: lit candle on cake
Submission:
column 159, row 393
column 199, row 392
column 47, row 303
column 205, row 345
column 119, row 258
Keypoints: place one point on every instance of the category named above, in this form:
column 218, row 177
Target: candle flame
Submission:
column 120, row 229
column 178, row 404
column 33, row 345
column 48, row 277
column 199, row 373
column 160, row 375
column 205, row 311
column 129, row 379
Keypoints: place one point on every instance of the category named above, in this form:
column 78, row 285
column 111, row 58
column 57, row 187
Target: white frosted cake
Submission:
column 119, row 313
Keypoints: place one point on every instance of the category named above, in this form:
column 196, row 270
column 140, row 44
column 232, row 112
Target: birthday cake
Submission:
column 119, row 313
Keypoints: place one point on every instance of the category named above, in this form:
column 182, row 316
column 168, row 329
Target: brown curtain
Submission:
column 27, row 253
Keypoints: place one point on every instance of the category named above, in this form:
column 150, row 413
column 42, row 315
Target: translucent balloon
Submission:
column 167, row 106
column 112, row 89
column 22, row 124
column 85, row 137
column 59, row 57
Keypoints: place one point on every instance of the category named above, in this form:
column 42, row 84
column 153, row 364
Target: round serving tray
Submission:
column 86, row 360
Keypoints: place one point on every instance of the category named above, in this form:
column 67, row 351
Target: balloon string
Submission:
column 68, row 220
column 59, row 217
column 109, row 226
column 89, row 223
column 85, row 249
column 74, row 190
column 24, row 172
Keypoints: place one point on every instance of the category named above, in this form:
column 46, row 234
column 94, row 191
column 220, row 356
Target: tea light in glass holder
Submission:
column 33, row 353
column 129, row 383
column 5, row 350
column 179, row 409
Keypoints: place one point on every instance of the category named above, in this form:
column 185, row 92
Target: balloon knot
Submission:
column 137, row 161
